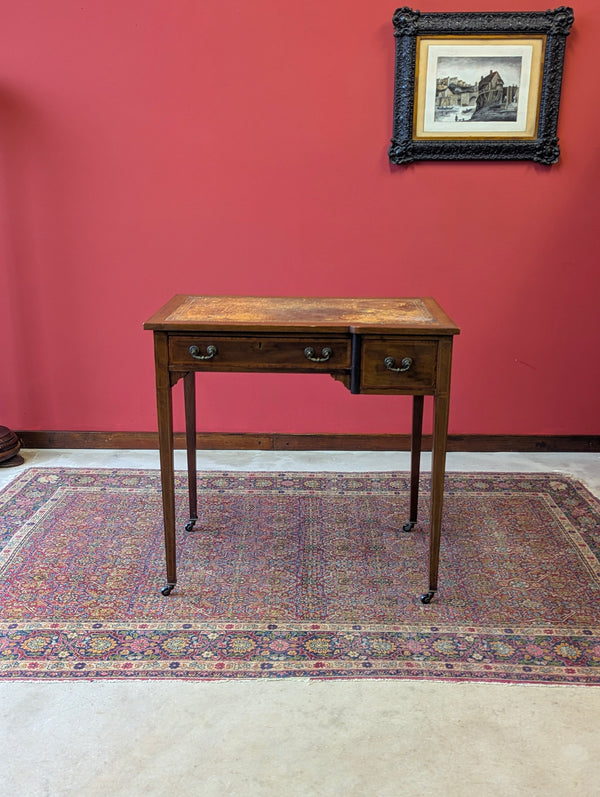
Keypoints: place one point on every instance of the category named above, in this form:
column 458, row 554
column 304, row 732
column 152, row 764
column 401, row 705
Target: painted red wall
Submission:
column 150, row 148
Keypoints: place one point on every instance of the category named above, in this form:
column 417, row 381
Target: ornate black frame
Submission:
column 409, row 24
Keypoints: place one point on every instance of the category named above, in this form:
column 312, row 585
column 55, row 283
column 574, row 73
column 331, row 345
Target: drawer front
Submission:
column 308, row 353
column 398, row 365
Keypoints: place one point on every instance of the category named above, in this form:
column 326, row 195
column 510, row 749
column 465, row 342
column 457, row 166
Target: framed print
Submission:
column 478, row 86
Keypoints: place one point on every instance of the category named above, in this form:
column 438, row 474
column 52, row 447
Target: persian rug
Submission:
column 296, row 574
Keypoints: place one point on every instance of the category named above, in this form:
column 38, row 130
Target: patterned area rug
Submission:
column 292, row 574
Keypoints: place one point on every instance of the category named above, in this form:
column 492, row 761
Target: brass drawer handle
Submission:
column 210, row 352
column 405, row 364
column 326, row 353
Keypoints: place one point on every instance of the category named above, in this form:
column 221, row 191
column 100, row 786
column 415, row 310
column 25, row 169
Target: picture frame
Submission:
column 478, row 85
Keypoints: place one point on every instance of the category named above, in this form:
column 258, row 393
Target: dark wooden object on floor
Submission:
column 373, row 346
column 10, row 445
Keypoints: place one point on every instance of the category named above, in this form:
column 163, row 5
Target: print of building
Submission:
column 450, row 92
column 489, row 91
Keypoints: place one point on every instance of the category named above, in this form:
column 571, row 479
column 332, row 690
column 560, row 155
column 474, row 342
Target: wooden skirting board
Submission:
column 310, row 442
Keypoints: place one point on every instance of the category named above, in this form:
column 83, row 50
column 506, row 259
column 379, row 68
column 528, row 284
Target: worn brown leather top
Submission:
column 259, row 313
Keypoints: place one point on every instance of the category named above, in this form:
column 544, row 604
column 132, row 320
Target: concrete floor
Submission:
column 296, row 737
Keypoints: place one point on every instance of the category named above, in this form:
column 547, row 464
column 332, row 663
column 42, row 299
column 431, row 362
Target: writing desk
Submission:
column 373, row 346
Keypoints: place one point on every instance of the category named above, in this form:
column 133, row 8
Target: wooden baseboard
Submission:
column 310, row 442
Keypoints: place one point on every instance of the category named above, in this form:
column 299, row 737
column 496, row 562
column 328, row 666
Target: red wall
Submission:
column 194, row 146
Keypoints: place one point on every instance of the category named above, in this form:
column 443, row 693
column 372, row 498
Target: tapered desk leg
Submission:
column 189, row 390
column 164, row 404
column 441, row 407
column 415, row 461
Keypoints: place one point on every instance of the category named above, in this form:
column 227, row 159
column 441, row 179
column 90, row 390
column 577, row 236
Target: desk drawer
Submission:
column 256, row 353
column 399, row 365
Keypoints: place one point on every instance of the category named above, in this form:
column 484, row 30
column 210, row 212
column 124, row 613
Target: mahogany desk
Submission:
column 374, row 346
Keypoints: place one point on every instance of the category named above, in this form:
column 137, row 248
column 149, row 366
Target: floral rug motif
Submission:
column 297, row 574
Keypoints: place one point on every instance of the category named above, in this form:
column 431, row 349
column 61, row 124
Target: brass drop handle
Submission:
column 210, row 352
column 326, row 353
column 405, row 364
